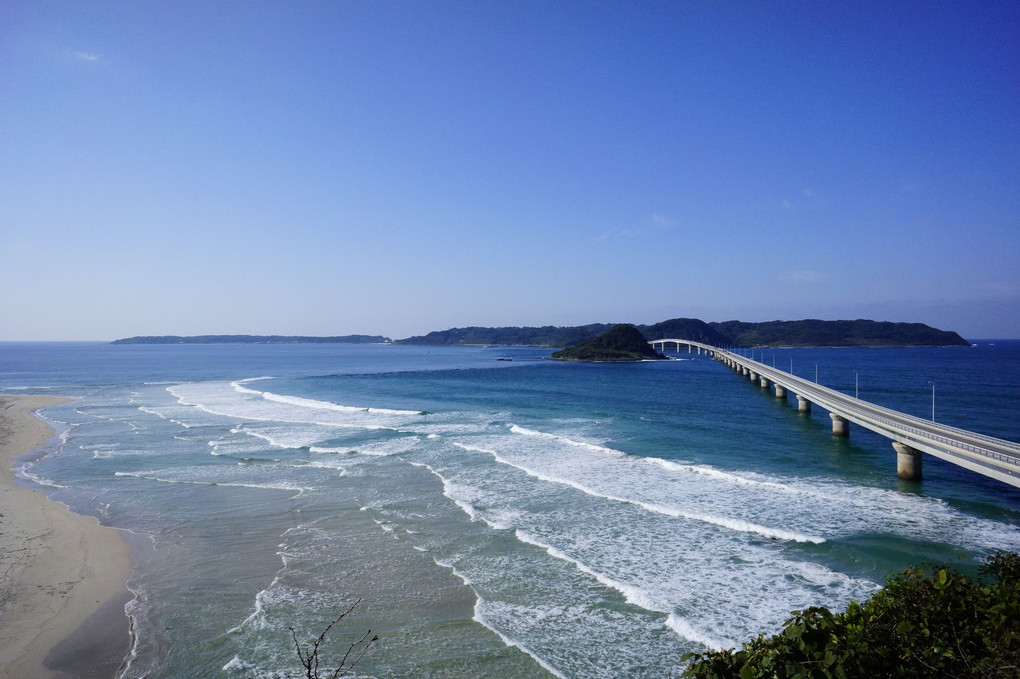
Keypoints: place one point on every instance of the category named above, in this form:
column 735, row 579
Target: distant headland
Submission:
column 253, row 339
column 805, row 333
column 734, row 334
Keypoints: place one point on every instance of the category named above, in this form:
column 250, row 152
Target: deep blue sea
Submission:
column 500, row 518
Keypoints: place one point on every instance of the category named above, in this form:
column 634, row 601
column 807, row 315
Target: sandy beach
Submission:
column 63, row 576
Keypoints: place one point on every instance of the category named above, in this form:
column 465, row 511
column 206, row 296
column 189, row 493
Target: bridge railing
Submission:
column 874, row 413
column 932, row 436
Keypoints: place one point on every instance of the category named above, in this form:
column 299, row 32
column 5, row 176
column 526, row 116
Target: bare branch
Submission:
column 310, row 657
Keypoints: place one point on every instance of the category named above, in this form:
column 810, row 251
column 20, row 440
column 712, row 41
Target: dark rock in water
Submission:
column 620, row 343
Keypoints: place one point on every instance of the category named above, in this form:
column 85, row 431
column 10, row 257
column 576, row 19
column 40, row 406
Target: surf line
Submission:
column 722, row 522
column 479, row 617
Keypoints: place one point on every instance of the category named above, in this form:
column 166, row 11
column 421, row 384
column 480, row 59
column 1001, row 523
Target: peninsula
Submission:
column 803, row 333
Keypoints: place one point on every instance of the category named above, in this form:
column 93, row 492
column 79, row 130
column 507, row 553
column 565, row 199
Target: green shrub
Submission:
column 927, row 622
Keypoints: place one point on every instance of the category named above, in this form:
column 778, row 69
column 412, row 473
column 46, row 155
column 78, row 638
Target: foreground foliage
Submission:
column 927, row 622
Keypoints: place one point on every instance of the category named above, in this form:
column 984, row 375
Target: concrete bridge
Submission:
column 911, row 436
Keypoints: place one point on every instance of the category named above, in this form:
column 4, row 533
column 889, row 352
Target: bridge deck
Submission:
column 993, row 457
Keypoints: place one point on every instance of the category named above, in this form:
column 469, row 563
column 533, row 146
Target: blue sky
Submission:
column 328, row 168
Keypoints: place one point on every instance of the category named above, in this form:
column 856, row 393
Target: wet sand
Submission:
column 63, row 576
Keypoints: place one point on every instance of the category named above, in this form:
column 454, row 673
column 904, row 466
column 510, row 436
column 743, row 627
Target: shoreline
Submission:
column 63, row 576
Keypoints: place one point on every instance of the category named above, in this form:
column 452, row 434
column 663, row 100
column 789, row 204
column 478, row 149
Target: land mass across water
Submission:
column 734, row 334
column 804, row 333
column 253, row 339
column 621, row 343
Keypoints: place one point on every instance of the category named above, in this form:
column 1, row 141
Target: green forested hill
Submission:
column 816, row 333
column 688, row 329
column 545, row 336
column 803, row 333
column 620, row 343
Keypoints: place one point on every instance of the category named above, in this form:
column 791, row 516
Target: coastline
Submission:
column 63, row 576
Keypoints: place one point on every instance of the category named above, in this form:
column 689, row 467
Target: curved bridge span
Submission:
column 911, row 436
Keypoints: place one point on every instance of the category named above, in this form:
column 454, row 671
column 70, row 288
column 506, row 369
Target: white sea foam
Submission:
column 803, row 510
column 135, row 611
column 658, row 508
column 257, row 620
column 320, row 450
column 112, row 452
column 176, row 476
column 655, row 567
column 632, row 595
column 236, row 401
column 450, row 491
column 524, row 431
column 683, row 628
column 25, row 473
column 385, row 448
column 480, row 618
column 314, row 404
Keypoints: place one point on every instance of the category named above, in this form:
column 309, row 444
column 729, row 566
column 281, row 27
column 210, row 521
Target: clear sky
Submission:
column 376, row 167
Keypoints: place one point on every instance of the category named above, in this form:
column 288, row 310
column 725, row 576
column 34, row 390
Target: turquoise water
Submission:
column 500, row 518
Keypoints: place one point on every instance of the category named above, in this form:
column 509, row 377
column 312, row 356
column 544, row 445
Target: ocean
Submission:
column 499, row 518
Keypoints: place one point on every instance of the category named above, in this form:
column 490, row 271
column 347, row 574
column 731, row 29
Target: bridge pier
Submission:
column 908, row 461
column 998, row 459
column 840, row 426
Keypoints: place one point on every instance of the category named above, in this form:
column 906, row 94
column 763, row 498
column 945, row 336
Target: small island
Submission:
column 621, row 343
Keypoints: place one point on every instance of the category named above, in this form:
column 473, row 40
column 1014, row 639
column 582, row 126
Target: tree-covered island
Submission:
column 621, row 343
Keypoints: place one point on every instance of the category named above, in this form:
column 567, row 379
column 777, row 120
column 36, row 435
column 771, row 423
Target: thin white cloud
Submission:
column 803, row 277
column 656, row 222
column 86, row 56
column 663, row 222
